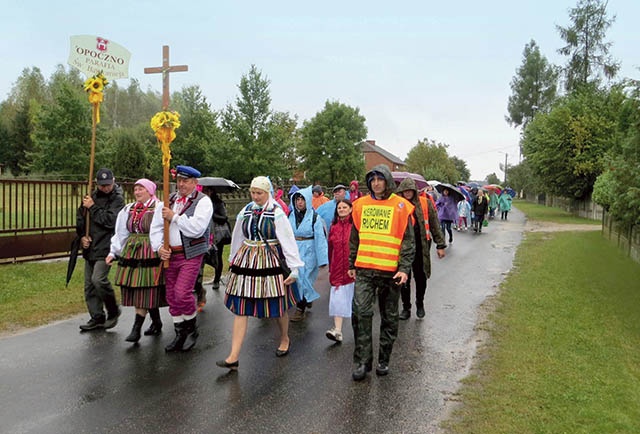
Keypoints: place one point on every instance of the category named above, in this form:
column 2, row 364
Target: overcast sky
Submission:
column 415, row 69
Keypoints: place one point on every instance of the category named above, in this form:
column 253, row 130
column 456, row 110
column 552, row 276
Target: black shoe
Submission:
column 134, row 336
column 156, row 323
column 112, row 319
column 215, row 285
column 92, row 324
column 405, row 314
column 154, row 329
column 223, row 364
column 382, row 369
column 420, row 312
column 178, row 341
column 282, row 353
column 191, row 334
column 361, row 371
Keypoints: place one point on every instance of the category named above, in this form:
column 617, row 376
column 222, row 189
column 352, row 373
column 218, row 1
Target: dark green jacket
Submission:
column 434, row 224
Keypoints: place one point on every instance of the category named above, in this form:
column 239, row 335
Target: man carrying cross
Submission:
column 188, row 213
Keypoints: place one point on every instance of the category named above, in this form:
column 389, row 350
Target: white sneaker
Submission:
column 334, row 335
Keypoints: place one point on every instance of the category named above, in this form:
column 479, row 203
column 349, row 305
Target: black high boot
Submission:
column 178, row 341
column 134, row 336
column 191, row 332
column 156, row 323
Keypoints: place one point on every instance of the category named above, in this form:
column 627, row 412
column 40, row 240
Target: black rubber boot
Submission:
column 178, row 341
column 191, row 334
column 156, row 323
column 134, row 336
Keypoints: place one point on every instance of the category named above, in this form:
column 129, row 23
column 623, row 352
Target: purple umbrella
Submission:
column 398, row 177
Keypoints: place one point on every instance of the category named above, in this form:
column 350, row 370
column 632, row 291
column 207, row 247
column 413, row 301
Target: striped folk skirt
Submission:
column 139, row 274
column 256, row 284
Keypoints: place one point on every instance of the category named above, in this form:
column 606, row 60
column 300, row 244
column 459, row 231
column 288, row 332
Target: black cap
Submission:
column 338, row 187
column 104, row 177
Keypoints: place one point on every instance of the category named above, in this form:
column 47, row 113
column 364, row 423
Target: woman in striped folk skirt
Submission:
column 257, row 287
column 139, row 272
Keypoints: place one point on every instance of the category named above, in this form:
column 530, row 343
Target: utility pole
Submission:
column 505, row 168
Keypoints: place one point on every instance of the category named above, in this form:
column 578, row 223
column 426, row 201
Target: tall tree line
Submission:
column 579, row 122
column 45, row 131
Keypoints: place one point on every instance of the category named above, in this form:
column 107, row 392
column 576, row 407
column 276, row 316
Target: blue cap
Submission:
column 187, row 172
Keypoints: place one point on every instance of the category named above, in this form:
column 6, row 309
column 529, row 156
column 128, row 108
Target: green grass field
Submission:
column 548, row 214
column 562, row 356
column 34, row 293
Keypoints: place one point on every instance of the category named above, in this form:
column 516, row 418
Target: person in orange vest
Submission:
column 426, row 227
column 381, row 251
column 318, row 197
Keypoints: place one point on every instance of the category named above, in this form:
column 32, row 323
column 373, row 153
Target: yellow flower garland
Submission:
column 164, row 124
column 94, row 86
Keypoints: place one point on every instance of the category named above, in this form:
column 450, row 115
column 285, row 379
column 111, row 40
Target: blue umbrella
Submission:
column 465, row 193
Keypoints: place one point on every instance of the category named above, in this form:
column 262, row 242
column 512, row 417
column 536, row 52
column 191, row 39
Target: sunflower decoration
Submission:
column 164, row 124
column 94, row 86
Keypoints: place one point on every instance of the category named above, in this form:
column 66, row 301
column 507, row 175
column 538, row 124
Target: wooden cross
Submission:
column 165, row 69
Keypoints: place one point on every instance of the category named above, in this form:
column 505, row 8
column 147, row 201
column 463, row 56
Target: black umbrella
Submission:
column 457, row 195
column 73, row 257
column 220, row 185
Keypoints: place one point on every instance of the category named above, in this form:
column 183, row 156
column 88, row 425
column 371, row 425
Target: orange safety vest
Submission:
column 381, row 225
column 425, row 213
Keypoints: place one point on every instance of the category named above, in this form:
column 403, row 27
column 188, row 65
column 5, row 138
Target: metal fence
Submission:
column 38, row 218
column 626, row 239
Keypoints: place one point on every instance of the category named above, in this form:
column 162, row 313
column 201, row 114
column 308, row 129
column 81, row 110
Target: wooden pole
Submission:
column 94, row 125
column 165, row 69
column 165, row 198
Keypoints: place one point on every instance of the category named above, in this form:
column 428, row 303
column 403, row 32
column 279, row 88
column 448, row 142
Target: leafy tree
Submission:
column 522, row 178
column 17, row 115
column 330, row 149
column 492, row 178
column 431, row 160
column 31, row 85
column 618, row 188
column 588, row 53
column 128, row 157
column 253, row 143
column 130, row 106
column 198, row 138
column 62, row 134
column 533, row 88
column 566, row 146
column 461, row 167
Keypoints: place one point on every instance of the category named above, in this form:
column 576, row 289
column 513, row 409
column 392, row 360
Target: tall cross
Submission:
column 165, row 69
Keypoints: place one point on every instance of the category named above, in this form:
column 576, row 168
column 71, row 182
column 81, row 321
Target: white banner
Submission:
column 92, row 54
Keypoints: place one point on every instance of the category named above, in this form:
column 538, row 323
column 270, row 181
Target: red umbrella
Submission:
column 493, row 187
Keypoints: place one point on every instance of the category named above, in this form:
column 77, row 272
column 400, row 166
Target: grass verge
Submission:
column 34, row 293
column 549, row 214
column 563, row 350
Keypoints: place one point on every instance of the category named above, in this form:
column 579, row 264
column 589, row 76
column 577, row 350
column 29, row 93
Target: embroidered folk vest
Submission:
column 192, row 246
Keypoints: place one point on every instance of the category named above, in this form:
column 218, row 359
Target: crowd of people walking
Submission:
column 372, row 244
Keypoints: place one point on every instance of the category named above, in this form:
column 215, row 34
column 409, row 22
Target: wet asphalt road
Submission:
column 55, row 379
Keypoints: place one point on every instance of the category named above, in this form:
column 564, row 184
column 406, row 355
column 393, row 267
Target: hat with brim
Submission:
column 104, row 177
column 187, row 172
column 339, row 187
